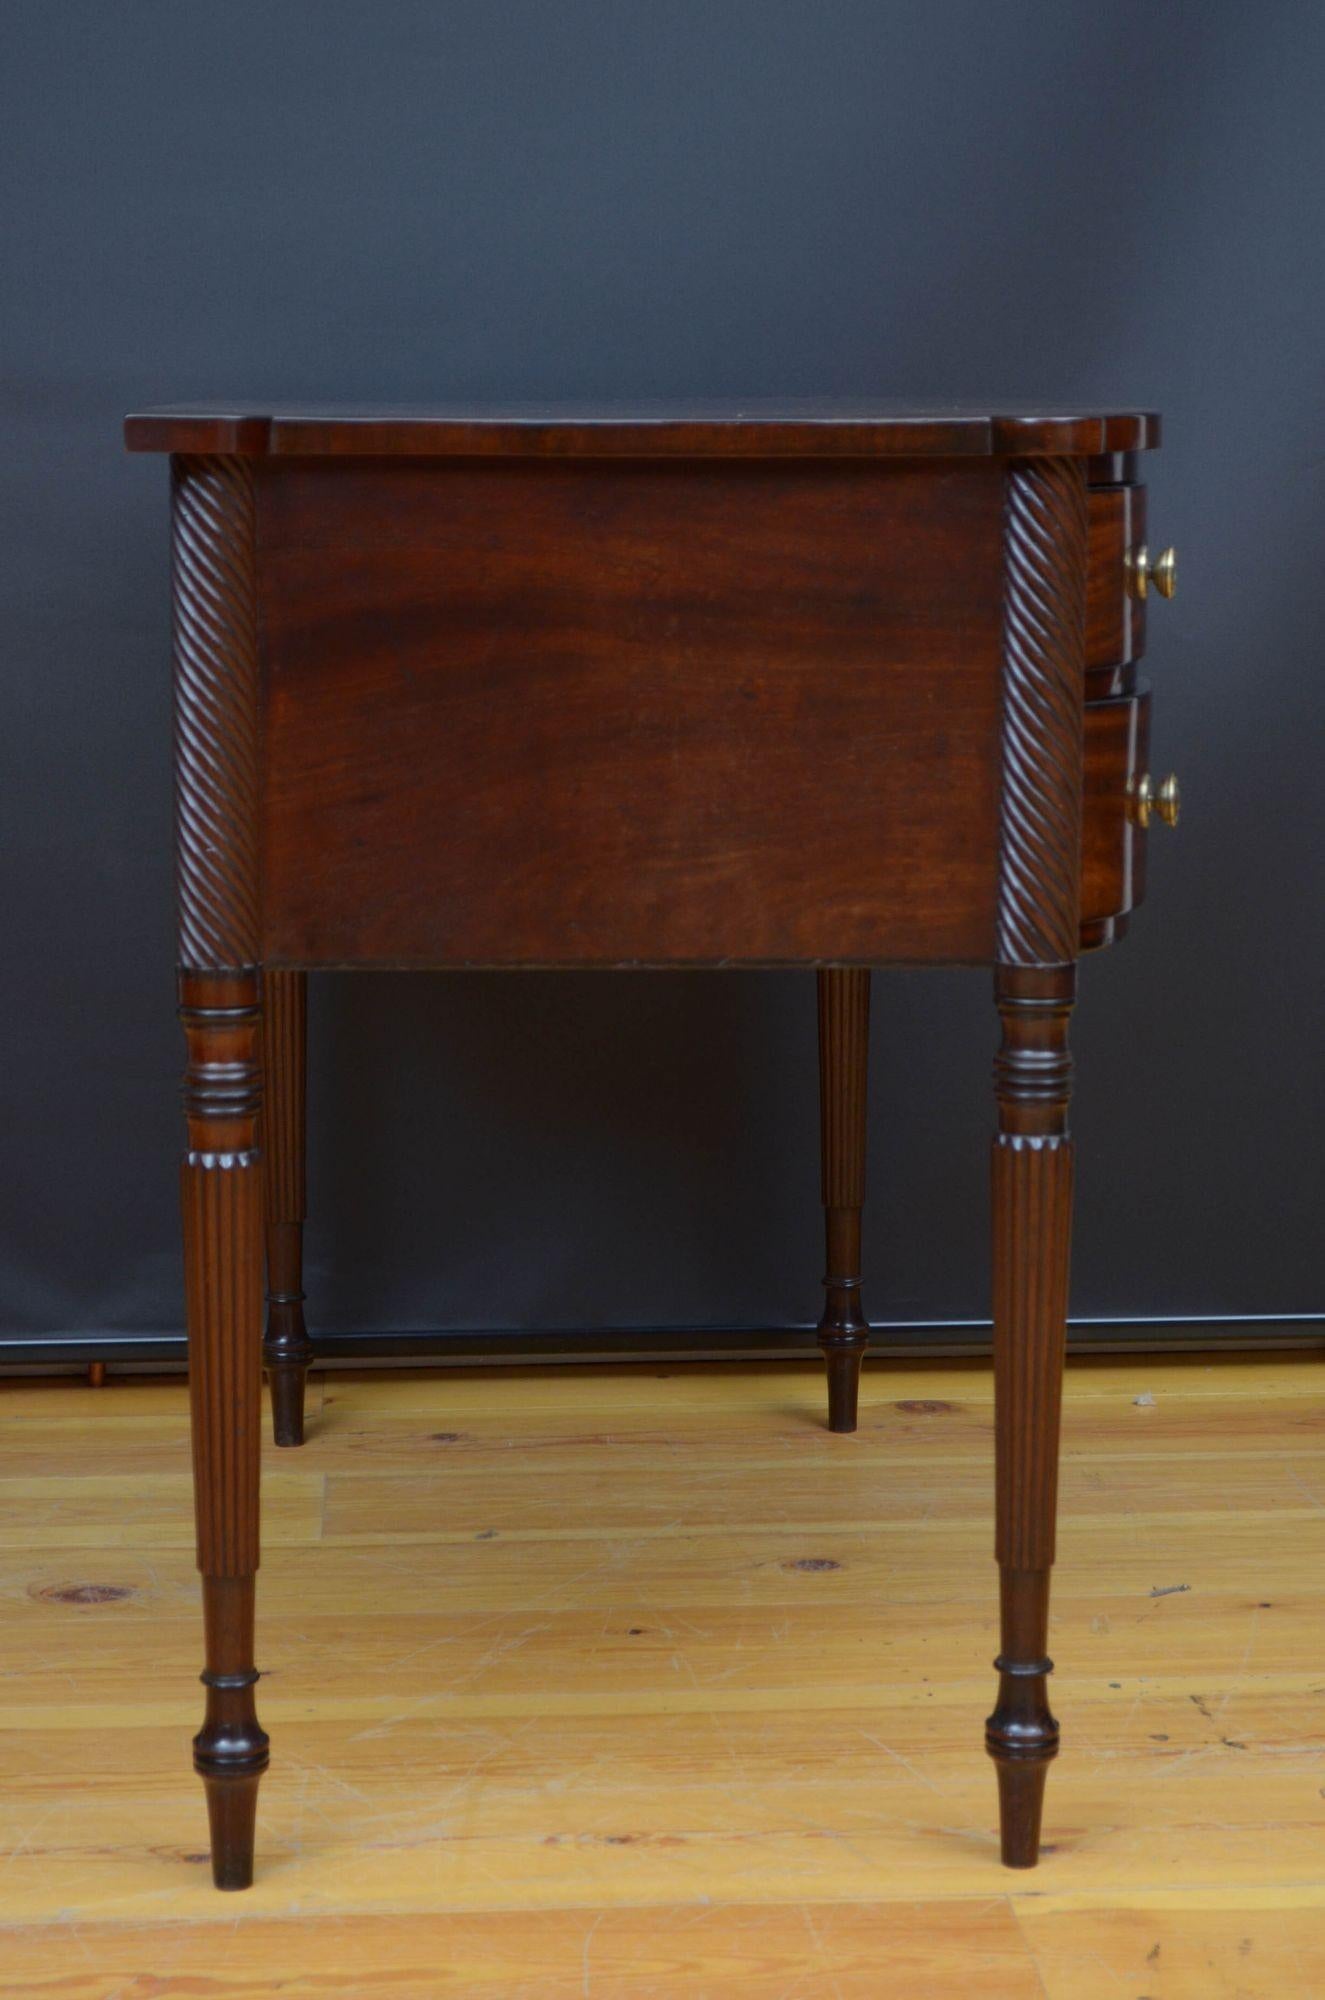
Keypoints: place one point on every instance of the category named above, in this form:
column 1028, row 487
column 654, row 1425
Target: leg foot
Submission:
column 1020, row 1805
column 286, row 1380
column 843, row 1357
column 1021, row 1735
column 844, row 1025
column 232, row 1812
column 230, row 1751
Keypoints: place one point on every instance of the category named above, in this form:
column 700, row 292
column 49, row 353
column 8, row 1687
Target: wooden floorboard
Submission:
column 614, row 1682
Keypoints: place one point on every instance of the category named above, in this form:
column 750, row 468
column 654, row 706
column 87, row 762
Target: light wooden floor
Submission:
column 636, row 1682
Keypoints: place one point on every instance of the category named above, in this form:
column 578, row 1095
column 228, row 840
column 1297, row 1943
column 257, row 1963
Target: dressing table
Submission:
column 824, row 686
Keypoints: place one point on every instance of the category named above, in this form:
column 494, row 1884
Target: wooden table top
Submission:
column 814, row 428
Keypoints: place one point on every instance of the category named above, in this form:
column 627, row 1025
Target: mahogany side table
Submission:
column 816, row 685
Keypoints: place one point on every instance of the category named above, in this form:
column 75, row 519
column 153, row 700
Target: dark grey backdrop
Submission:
column 331, row 198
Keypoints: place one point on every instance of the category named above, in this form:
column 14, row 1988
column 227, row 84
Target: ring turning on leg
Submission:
column 221, row 1200
column 1032, row 1218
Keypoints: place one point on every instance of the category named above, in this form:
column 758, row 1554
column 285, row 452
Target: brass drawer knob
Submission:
column 1163, row 800
column 1162, row 572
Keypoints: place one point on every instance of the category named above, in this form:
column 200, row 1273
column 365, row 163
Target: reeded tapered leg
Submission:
column 1032, row 1217
column 221, row 1202
column 844, row 1026
column 286, row 1348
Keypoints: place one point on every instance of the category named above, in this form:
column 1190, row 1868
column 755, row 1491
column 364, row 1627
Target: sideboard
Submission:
column 817, row 685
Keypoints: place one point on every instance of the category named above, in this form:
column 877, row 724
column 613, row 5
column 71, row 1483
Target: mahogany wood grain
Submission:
column 818, row 685
column 586, row 715
column 796, row 429
column 1113, row 847
column 1115, row 619
column 844, row 1033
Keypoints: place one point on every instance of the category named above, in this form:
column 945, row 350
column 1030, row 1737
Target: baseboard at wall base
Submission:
column 66, row 1353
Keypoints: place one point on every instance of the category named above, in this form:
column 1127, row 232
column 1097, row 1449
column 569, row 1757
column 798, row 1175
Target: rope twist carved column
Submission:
column 1044, row 552
column 216, row 712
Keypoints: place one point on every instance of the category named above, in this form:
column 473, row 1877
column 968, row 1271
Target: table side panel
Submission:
column 606, row 714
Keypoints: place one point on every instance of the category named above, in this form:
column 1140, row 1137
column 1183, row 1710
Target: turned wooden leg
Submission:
column 1032, row 1217
column 221, row 1200
column 286, row 1348
column 844, row 1025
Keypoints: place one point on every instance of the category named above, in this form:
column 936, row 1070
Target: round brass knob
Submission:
column 1162, row 572
column 1162, row 800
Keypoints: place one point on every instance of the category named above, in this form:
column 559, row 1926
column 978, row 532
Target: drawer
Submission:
column 1113, row 846
column 1115, row 616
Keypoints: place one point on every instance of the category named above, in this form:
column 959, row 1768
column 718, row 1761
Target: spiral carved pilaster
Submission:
column 216, row 712
column 1044, row 541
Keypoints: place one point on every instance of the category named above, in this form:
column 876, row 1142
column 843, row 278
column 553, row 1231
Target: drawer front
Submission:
column 582, row 714
column 1113, row 846
column 1115, row 617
